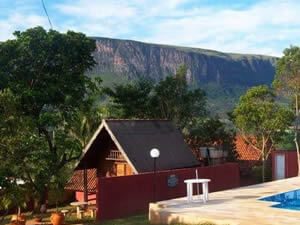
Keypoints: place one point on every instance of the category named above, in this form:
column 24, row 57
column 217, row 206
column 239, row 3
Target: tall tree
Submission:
column 171, row 98
column 287, row 82
column 44, row 71
column 17, row 144
column 261, row 121
column 131, row 100
column 177, row 102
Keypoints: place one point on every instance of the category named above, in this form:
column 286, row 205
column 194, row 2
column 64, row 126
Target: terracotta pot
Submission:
column 57, row 218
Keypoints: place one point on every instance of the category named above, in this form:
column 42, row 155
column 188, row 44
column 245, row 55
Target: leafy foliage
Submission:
column 47, row 68
column 170, row 99
column 287, row 82
column 261, row 120
column 43, row 91
column 132, row 100
column 15, row 140
column 175, row 101
column 287, row 78
column 287, row 141
column 212, row 132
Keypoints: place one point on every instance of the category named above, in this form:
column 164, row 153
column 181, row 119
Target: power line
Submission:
column 47, row 14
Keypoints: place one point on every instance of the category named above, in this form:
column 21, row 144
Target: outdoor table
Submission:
column 189, row 188
column 78, row 205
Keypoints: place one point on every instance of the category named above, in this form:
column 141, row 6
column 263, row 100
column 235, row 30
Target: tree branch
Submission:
column 250, row 142
column 48, row 139
column 30, row 178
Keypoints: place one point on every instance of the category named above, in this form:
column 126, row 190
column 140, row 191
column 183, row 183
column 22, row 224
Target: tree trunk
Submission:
column 42, row 201
column 263, row 169
column 263, row 158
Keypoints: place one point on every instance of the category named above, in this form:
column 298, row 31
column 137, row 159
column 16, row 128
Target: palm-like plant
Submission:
column 85, row 124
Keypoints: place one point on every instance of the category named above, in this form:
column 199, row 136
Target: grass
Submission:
column 133, row 220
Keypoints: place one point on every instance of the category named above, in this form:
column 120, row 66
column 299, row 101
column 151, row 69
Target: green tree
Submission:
column 261, row 121
column 171, row 98
column 287, row 82
column 132, row 100
column 44, row 72
column 211, row 132
column 84, row 124
column 177, row 102
column 17, row 143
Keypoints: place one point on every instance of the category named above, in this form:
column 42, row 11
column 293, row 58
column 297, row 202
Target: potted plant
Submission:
column 13, row 194
column 57, row 218
column 16, row 194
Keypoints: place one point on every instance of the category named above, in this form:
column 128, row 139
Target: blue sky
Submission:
column 245, row 26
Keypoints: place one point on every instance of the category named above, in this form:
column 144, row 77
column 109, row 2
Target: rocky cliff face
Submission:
column 223, row 76
column 135, row 59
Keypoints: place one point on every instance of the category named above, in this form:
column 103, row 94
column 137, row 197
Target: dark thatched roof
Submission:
column 135, row 139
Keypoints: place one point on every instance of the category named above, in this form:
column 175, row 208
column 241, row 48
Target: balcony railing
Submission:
column 115, row 155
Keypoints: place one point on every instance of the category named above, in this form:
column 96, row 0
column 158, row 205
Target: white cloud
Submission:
column 265, row 27
column 251, row 30
column 97, row 9
column 18, row 21
column 20, row 15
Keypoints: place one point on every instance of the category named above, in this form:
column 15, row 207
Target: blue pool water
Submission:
column 286, row 200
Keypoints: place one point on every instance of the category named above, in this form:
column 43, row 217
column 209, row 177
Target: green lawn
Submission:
column 133, row 220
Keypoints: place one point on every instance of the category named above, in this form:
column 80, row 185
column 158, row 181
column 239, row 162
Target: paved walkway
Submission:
column 238, row 206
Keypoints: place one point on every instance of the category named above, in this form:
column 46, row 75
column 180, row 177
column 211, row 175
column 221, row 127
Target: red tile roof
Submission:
column 245, row 151
column 76, row 181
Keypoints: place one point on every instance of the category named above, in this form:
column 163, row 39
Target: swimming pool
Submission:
column 286, row 200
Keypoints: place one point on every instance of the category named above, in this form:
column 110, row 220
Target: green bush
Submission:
column 287, row 142
column 257, row 173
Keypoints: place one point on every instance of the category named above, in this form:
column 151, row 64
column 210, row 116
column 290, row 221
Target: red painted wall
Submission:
column 128, row 195
column 291, row 166
column 79, row 196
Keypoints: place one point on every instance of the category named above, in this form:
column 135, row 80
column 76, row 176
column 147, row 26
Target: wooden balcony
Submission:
column 115, row 155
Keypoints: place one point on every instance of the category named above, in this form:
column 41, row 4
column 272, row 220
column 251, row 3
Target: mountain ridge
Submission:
column 224, row 76
column 180, row 46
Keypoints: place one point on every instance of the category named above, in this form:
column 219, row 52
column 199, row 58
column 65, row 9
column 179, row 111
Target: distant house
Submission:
column 122, row 148
column 247, row 155
column 283, row 163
